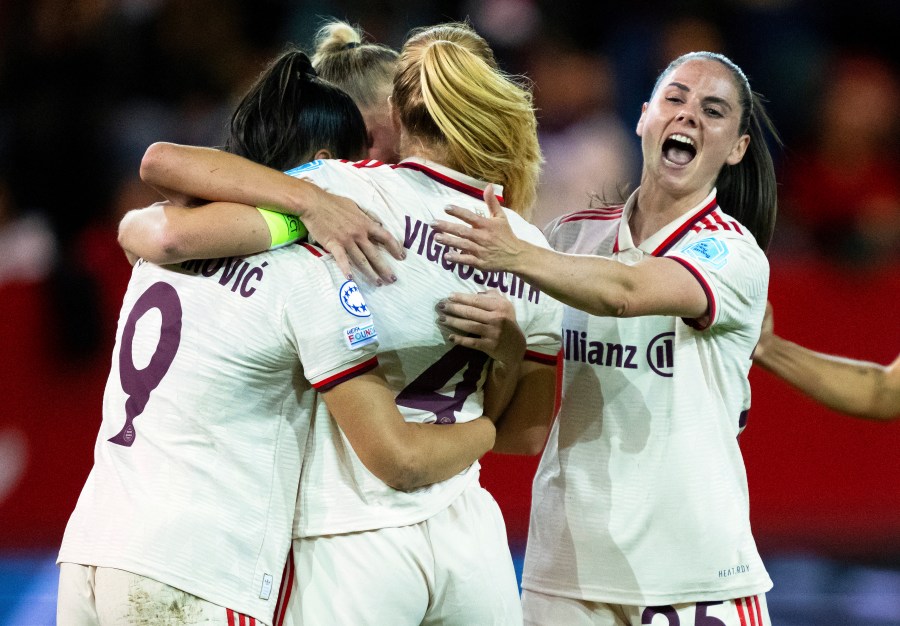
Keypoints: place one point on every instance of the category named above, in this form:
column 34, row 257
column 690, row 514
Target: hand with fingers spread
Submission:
column 487, row 243
column 484, row 321
column 353, row 237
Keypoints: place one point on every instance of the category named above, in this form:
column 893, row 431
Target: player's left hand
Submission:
column 486, row 243
column 484, row 321
column 353, row 238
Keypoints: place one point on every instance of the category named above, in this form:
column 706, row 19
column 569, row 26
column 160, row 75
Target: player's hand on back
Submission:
column 354, row 238
column 484, row 321
column 485, row 240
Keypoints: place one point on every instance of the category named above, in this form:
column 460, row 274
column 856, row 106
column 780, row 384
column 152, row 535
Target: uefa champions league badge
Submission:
column 306, row 167
column 710, row 251
column 352, row 300
column 363, row 333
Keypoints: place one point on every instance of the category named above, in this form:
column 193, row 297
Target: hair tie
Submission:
column 308, row 72
column 350, row 45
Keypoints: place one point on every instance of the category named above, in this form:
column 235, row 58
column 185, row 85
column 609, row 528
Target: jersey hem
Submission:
column 367, row 523
column 632, row 599
column 345, row 374
column 541, row 357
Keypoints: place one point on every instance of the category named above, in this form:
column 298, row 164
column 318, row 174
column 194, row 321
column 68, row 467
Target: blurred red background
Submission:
column 819, row 481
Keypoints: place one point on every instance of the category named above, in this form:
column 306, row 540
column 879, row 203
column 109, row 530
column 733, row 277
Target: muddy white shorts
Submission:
column 103, row 596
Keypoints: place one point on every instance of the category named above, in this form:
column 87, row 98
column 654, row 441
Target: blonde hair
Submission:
column 448, row 90
column 363, row 70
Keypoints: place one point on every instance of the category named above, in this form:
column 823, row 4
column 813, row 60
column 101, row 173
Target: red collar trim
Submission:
column 680, row 232
column 458, row 185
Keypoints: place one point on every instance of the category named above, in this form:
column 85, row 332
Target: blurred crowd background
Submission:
column 87, row 85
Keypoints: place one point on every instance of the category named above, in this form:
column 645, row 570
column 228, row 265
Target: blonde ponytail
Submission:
column 333, row 37
column 364, row 70
column 448, row 90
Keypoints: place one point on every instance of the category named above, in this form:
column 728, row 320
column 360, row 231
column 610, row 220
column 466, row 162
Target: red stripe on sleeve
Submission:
column 537, row 357
column 600, row 213
column 720, row 221
column 312, row 249
column 680, row 231
column 697, row 324
column 710, row 225
column 340, row 377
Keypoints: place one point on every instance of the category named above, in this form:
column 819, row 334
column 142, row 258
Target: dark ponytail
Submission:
column 748, row 191
column 290, row 113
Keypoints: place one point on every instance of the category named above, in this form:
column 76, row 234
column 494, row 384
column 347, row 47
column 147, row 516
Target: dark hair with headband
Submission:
column 290, row 113
column 747, row 190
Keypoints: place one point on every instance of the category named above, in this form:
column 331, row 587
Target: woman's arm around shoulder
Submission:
column 182, row 172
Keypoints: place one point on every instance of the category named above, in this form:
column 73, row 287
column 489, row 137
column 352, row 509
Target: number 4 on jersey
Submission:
column 422, row 393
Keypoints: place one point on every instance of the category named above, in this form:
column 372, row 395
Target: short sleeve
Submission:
column 329, row 322
column 734, row 274
column 543, row 332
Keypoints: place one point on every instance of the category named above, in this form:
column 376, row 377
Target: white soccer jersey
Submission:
column 435, row 381
column 641, row 495
column 205, row 417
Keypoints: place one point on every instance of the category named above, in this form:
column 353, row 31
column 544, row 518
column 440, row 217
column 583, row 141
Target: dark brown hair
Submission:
column 290, row 113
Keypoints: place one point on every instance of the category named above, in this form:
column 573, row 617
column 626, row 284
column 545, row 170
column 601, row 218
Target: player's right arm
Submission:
column 165, row 233
column 405, row 455
column 336, row 223
column 858, row 388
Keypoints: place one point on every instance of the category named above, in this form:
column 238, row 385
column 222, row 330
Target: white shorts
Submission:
column 546, row 610
column 452, row 569
column 103, row 596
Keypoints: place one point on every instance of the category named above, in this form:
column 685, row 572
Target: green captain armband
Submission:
column 284, row 229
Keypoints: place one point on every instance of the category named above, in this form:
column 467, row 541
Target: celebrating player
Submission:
column 640, row 505
column 186, row 516
column 438, row 554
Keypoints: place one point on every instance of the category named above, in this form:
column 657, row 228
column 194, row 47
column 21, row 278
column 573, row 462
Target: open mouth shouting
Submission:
column 679, row 149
